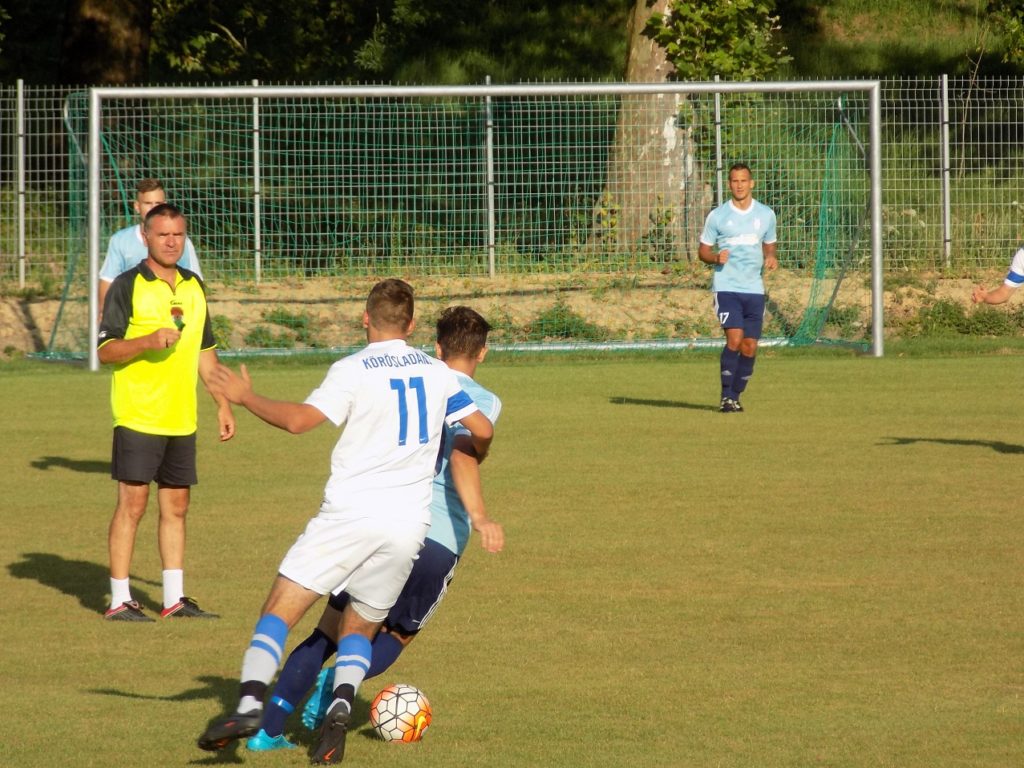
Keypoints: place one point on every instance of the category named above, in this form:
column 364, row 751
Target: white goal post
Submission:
column 99, row 96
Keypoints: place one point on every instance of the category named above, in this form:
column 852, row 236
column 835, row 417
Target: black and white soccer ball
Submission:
column 400, row 713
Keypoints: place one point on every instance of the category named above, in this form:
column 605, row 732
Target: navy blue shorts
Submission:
column 741, row 310
column 424, row 590
column 140, row 458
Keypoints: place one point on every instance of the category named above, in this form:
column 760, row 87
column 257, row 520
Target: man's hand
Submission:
column 492, row 535
column 234, row 387
column 163, row 338
column 771, row 263
column 226, row 421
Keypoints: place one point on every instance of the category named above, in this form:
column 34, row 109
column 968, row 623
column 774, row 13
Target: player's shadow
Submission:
column 223, row 690
column 88, row 582
column 996, row 445
column 88, row 466
column 617, row 400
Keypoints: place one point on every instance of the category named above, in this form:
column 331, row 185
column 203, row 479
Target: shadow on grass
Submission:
column 996, row 445
column 225, row 691
column 89, row 582
column 662, row 403
column 88, row 466
column 211, row 687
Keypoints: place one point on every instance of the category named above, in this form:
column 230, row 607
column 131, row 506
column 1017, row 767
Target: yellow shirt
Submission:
column 155, row 392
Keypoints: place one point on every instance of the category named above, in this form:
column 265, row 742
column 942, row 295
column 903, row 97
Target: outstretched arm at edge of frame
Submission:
column 295, row 418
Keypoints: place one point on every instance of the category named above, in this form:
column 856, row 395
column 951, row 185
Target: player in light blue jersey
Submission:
column 393, row 401
column 739, row 240
column 457, row 505
column 127, row 248
column 1014, row 279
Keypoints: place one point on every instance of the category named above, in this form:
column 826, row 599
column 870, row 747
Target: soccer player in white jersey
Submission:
column 739, row 240
column 127, row 248
column 1014, row 279
column 457, row 506
column 394, row 401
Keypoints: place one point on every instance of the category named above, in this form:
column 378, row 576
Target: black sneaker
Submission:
column 736, row 406
column 128, row 611
column 331, row 748
column 729, row 406
column 186, row 608
column 225, row 730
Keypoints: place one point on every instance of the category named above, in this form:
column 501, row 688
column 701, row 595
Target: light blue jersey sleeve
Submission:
column 126, row 249
column 449, row 522
column 743, row 234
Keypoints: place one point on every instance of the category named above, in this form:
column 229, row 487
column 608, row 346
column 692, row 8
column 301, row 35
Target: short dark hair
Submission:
column 164, row 209
column 461, row 332
column 390, row 305
column 148, row 185
column 740, row 167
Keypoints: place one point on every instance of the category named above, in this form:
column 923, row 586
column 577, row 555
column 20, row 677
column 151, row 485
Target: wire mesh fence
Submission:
column 549, row 187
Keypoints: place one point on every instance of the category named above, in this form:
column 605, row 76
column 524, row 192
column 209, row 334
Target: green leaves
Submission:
column 734, row 39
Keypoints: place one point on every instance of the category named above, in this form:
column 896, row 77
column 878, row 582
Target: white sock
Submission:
column 249, row 703
column 174, row 586
column 119, row 592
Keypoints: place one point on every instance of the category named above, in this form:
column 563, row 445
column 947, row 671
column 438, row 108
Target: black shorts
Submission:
column 741, row 310
column 426, row 586
column 141, row 458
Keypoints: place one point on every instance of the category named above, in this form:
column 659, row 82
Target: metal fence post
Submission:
column 489, row 148
column 257, row 231
column 718, row 145
column 947, row 238
column 94, row 156
column 21, row 183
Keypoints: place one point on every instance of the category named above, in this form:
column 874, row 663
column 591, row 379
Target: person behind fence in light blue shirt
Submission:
column 127, row 248
column 739, row 240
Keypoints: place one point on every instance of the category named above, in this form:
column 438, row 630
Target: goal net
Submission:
column 568, row 215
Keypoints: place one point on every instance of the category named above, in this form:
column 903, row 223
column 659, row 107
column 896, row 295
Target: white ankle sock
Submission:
column 174, row 586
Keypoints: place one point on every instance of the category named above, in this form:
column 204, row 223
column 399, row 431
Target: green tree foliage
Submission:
column 735, row 40
column 1008, row 16
column 238, row 40
column 408, row 41
column 425, row 41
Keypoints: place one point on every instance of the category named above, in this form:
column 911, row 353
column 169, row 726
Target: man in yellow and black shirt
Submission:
column 156, row 333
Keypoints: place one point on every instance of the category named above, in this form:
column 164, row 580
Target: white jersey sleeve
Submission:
column 1015, row 277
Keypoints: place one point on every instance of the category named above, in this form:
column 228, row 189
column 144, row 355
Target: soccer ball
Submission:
column 400, row 713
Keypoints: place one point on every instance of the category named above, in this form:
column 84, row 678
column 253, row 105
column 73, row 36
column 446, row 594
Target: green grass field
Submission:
column 832, row 578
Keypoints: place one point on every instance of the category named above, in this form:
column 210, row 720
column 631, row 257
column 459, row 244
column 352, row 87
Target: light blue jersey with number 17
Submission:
column 742, row 233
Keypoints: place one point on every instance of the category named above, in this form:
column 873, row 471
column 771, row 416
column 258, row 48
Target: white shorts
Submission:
column 368, row 557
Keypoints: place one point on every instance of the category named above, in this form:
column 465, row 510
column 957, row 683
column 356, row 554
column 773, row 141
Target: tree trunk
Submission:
column 647, row 181
column 106, row 42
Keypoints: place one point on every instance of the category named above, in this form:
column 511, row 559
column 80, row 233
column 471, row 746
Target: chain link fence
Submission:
column 549, row 193
column 952, row 158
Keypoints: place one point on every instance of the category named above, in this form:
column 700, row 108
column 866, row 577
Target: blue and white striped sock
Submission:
column 262, row 658
column 353, row 661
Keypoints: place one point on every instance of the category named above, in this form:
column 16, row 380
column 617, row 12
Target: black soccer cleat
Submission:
column 186, row 608
column 222, row 732
column 128, row 611
column 730, row 406
column 331, row 748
